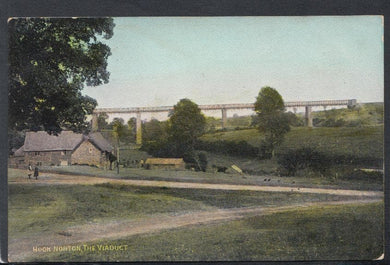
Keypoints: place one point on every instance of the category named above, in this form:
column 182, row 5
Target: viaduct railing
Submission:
column 223, row 108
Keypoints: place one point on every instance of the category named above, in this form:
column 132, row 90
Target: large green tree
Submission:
column 154, row 131
column 121, row 131
column 187, row 123
column 271, row 118
column 50, row 61
column 132, row 125
column 102, row 121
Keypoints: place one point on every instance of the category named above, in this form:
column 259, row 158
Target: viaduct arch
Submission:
column 222, row 107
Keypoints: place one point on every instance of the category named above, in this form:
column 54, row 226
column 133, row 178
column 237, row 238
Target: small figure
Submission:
column 29, row 171
column 36, row 172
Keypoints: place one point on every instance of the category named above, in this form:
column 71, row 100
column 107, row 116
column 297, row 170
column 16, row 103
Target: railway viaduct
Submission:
column 223, row 108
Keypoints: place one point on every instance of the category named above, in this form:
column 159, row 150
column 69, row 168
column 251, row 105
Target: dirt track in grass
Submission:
column 21, row 249
column 63, row 179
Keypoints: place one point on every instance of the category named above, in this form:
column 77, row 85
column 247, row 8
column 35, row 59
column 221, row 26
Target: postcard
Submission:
column 242, row 138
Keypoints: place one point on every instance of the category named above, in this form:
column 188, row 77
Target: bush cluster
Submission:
column 359, row 174
column 196, row 160
column 303, row 158
column 157, row 148
column 329, row 122
column 309, row 159
column 332, row 122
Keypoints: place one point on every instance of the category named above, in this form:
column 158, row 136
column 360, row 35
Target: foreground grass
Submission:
column 34, row 209
column 350, row 232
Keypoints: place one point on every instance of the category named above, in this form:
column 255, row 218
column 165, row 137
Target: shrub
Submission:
column 303, row 158
column 198, row 161
column 203, row 161
column 160, row 149
column 329, row 122
column 294, row 120
column 351, row 173
column 265, row 150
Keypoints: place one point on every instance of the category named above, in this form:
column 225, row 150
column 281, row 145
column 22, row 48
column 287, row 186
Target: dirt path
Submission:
column 21, row 249
column 58, row 179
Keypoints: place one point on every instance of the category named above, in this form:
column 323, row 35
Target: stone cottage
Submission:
column 67, row 148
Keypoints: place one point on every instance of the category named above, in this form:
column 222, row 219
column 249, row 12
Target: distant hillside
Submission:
column 359, row 142
column 361, row 115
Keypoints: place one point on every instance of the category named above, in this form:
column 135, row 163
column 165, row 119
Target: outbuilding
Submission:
column 16, row 160
column 165, row 163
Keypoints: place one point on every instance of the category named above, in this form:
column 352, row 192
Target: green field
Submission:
column 353, row 232
column 54, row 207
column 354, row 148
column 362, row 142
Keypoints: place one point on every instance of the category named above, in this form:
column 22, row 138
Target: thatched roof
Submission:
column 164, row 161
column 66, row 140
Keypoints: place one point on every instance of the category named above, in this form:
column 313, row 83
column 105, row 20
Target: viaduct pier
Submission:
column 223, row 108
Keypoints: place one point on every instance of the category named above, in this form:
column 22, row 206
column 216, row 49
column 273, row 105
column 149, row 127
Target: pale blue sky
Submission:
column 159, row 60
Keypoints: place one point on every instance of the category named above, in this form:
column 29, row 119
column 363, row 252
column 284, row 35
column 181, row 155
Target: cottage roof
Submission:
column 100, row 142
column 42, row 141
column 164, row 161
column 66, row 140
column 19, row 152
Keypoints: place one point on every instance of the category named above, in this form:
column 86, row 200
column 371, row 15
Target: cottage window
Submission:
column 39, row 163
column 63, row 153
column 37, row 153
column 90, row 150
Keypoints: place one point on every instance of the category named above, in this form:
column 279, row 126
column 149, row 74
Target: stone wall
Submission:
column 48, row 158
column 89, row 154
column 16, row 162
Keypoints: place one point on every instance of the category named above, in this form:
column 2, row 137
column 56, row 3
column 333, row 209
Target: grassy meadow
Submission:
column 55, row 207
column 348, row 232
